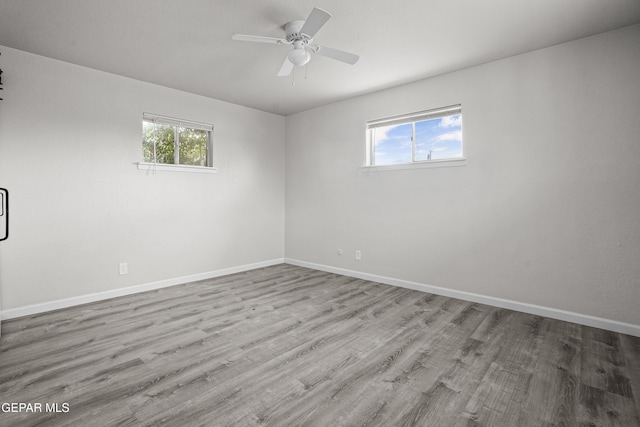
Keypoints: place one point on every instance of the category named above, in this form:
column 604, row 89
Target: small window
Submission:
column 420, row 137
column 166, row 140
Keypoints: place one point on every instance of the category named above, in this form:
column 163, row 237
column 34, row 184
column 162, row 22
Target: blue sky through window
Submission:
column 436, row 139
column 393, row 144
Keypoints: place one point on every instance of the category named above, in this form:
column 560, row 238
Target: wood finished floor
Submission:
column 286, row 346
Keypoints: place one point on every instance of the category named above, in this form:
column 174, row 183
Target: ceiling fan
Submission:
column 300, row 35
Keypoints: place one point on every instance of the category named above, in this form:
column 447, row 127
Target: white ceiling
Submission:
column 187, row 44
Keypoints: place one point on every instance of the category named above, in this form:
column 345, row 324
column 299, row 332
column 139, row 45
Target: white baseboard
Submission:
column 84, row 299
column 581, row 319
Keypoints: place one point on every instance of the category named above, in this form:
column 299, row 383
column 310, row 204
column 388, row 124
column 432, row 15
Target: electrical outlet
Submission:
column 358, row 255
column 124, row 268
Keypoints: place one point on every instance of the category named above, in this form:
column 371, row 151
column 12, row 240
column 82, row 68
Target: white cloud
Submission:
column 450, row 121
column 449, row 136
column 382, row 133
column 406, row 144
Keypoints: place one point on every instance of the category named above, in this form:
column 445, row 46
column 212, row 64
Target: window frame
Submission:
column 177, row 124
column 411, row 118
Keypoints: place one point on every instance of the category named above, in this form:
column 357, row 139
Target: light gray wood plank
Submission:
column 552, row 397
column 631, row 348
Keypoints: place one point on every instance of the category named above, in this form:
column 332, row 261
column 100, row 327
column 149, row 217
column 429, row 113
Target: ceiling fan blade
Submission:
column 317, row 18
column 287, row 67
column 259, row 39
column 336, row 54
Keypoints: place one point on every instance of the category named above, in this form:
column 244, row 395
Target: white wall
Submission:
column 546, row 212
column 69, row 140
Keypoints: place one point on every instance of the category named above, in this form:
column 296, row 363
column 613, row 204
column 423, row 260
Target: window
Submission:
column 170, row 141
column 421, row 137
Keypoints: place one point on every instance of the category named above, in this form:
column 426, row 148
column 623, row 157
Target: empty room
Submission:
column 319, row 213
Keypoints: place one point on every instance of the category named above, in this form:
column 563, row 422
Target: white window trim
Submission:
column 176, row 168
column 425, row 164
column 411, row 118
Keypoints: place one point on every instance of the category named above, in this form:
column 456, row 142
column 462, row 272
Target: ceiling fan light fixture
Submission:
column 300, row 34
column 299, row 57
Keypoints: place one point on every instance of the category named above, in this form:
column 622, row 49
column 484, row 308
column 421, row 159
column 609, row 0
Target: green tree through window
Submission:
column 192, row 146
column 172, row 141
column 163, row 138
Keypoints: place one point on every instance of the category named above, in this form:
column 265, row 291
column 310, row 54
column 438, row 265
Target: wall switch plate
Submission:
column 358, row 255
column 124, row 268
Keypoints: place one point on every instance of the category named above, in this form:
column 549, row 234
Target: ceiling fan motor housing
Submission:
column 292, row 30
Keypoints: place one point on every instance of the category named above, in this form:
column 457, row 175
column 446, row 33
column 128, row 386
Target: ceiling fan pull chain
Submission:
column 293, row 77
column 306, row 70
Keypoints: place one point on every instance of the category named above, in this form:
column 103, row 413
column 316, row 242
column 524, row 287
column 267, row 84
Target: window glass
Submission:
column 439, row 139
column 192, row 146
column 416, row 137
column 173, row 141
column 164, row 138
column 392, row 144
